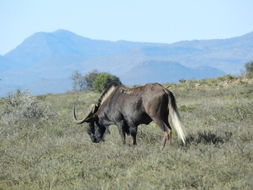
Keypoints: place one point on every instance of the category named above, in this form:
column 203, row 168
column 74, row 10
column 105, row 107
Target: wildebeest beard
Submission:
column 96, row 132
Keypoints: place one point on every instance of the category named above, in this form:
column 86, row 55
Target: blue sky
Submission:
column 164, row 21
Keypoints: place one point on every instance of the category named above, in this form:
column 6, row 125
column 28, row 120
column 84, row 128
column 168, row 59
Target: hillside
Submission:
column 43, row 45
column 42, row 148
column 5, row 64
column 164, row 71
column 45, row 58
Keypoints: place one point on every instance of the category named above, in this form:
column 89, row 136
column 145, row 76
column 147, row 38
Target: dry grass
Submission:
column 54, row 153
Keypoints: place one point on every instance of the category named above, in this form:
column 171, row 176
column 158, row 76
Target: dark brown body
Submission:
column 128, row 108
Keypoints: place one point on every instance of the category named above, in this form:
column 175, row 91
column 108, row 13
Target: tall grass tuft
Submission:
column 21, row 105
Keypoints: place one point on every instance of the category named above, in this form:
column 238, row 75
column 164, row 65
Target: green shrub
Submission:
column 93, row 80
column 103, row 80
column 226, row 77
column 182, row 81
column 90, row 78
column 249, row 69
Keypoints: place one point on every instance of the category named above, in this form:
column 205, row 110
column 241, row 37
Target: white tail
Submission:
column 175, row 117
column 177, row 124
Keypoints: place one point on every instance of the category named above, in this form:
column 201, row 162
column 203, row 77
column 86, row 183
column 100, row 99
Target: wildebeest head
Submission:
column 95, row 130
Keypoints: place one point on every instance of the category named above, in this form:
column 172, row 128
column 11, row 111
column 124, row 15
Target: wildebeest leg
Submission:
column 167, row 137
column 170, row 131
column 122, row 132
column 166, row 129
column 133, row 132
column 134, row 138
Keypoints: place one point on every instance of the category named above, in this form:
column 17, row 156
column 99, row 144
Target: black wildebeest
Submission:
column 129, row 107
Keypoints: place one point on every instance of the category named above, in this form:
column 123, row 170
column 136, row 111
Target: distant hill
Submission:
column 228, row 55
column 43, row 60
column 42, row 45
column 164, row 71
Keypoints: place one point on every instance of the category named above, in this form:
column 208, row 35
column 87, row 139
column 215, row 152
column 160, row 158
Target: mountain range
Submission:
column 44, row 62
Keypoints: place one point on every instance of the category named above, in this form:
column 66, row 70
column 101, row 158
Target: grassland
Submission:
column 48, row 151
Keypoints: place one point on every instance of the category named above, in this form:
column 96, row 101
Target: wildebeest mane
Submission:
column 106, row 93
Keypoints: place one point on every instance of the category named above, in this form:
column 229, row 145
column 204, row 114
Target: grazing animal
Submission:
column 129, row 107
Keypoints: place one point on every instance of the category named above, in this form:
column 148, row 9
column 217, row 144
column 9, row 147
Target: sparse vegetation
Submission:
column 78, row 81
column 41, row 152
column 21, row 105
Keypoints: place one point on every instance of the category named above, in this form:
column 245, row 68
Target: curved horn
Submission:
column 85, row 119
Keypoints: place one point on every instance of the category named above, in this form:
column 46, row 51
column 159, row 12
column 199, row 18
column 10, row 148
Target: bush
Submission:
column 103, row 81
column 226, row 77
column 249, row 69
column 93, row 80
column 21, row 105
column 90, row 78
